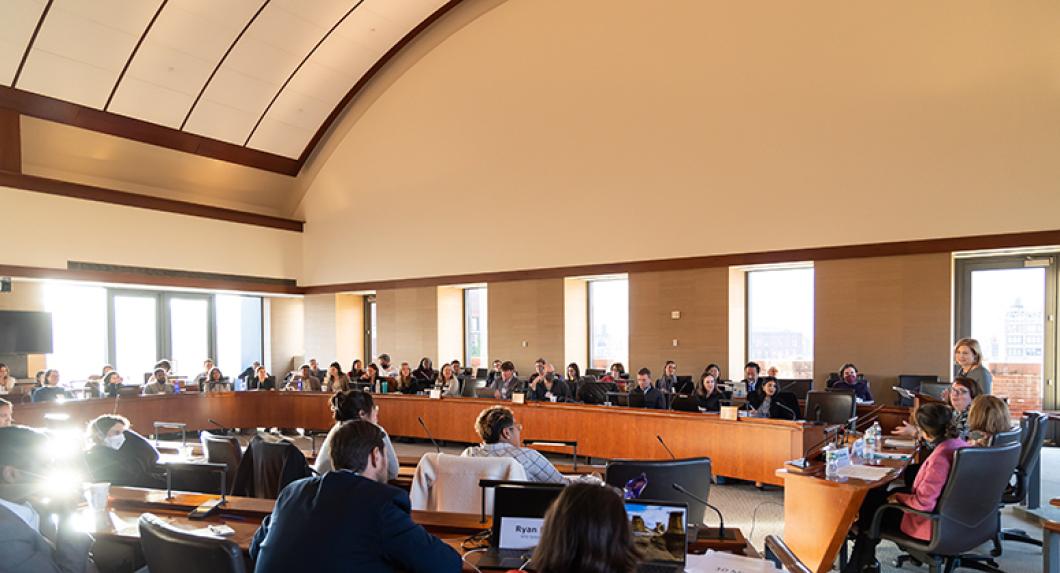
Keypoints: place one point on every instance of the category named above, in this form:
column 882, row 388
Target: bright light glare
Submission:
column 65, row 444
column 62, row 483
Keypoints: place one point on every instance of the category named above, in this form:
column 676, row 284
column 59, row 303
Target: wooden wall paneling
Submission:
column 887, row 315
column 701, row 296
column 529, row 311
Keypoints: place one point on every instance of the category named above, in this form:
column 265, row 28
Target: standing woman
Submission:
column 708, row 396
column 968, row 358
column 355, row 405
column 449, row 383
column 336, row 380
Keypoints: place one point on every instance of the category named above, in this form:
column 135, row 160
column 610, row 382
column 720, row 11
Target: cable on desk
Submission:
column 472, row 565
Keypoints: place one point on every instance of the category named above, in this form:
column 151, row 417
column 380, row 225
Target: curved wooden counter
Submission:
column 751, row 449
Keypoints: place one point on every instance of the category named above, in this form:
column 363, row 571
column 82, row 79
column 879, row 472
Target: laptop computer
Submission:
column 518, row 515
column 660, row 534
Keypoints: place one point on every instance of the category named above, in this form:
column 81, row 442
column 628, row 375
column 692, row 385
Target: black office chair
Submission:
column 800, row 387
column 692, row 474
column 1010, row 437
column 267, row 467
column 595, row 392
column 481, row 373
column 1033, row 433
column 223, row 450
column 912, row 383
column 684, row 385
column 168, row 549
column 965, row 516
column 831, row 407
column 595, row 372
column 684, row 403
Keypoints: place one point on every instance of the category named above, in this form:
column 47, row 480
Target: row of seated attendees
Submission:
column 586, row 525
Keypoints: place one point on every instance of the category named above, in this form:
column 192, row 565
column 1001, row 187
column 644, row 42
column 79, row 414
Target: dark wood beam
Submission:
column 10, row 141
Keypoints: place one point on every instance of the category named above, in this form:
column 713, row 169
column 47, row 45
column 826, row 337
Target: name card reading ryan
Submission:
column 520, row 532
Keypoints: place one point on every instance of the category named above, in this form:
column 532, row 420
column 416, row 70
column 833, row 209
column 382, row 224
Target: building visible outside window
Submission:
column 608, row 322
column 476, row 354
column 780, row 320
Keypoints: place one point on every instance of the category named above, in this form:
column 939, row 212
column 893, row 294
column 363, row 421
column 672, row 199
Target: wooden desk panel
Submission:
column 750, row 449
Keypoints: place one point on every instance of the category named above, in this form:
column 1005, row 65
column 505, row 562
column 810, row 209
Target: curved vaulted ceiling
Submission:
column 267, row 75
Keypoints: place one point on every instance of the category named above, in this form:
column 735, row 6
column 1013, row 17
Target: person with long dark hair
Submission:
column 769, row 402
column 121, row 456
column 586, row 530
column 707, row 394
column 336, row 380
column 355, row 405
column 356, row 370
column 425, row 372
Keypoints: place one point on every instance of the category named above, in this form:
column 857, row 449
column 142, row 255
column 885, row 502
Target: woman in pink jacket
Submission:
column 935, row 424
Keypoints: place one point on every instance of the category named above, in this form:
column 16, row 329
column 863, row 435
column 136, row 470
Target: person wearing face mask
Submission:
column 849, row 380
column 121, row 456
column 25, row 548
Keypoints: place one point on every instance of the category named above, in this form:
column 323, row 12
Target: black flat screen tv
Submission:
column 25, row 332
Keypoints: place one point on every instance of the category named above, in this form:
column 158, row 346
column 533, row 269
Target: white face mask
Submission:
column 114, row 442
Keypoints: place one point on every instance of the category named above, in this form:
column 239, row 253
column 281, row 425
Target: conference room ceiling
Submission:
column 262, row 74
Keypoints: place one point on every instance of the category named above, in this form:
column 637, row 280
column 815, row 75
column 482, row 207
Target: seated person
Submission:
column 653, row 397
column 960, row 396
column 550, row 388
column 935, row 424
column 586, row 529
column 539, row 370
column 159, row 384
column 304, row 382
column 616, row 375
column 201, row 377
column 750, row 372
column 493, row 374
column 707, row 394
column 770, row 403
column 849, row 380
column 425, row 373
column 260, row 381
column 7, row 381
column 121, row 456
column 335, row 380
column 356, row 370
column 355, row 405
column 447, row 381
column 7, row 411
column 26, row 550
column 507, row 384
column 368, row 522
column 247, row 374
column 50, row 391
column 987, row 417
column 215, row 381
column 111, row 384
column 404, row 382
column 668, row 381
column 385, row 369
column 502, row 437
column 458, row 370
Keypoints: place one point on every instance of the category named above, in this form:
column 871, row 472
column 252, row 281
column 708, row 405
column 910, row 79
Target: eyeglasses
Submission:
column 959, row 390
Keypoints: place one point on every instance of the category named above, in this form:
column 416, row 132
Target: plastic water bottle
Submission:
column 831, row 466
column 872, row 438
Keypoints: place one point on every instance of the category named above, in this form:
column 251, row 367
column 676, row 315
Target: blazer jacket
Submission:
column 27, row 551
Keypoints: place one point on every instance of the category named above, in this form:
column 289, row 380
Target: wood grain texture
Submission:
column 887, row 315
column 701, row 296
column 530, row 311
column 817, row 515
column 232, row 283
column 407, row 323
column 10, row 141
column 751, row 449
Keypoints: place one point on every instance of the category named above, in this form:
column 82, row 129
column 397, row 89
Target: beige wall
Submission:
column 526, row 312
column 24, row 295
column 575, row 323
column 450, row 324
column 701, row 296
column 814, row 119
column 887, row 315
column 407, row 320
column 287, row 332
column 47, row 231
column 349, row 329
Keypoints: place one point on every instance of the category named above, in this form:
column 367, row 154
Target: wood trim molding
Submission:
column 90, row 193
column 926, row 246
column 367, row 77
column 10, row 141
column 225, row 282
column 51, row 109
column 132, row 55
column 32, row 40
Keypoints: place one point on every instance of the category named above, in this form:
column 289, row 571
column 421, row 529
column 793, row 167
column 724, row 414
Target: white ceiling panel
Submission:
column 406, row 13
column 324, row 82
column 320, row 13
column 206, row 35
column 281, row 138
column 239, row 91
column 169, row 68
column 212, row 119
column 18, row 18
column 300, row 109
column 152, row 103
column 129, row 16
column 260, row 60
column 374, row 32
column 66, row 79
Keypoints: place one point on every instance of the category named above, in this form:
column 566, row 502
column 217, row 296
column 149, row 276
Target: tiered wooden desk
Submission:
column 750, row 449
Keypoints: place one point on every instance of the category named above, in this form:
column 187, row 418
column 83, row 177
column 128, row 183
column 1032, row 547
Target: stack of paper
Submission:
column 867, row 473
column 718, row 562
column 898, row 443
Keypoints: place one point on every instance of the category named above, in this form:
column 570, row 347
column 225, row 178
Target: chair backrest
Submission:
column 481, row 373
column 444, row 482
column 267, row 467
column 223, row 450
column 912, row 382
column 683, row 403
column 595, row 392
column 830, row 407
column 168, row 549
column 469, row 387
column 1009, row 437
column 596, row 372
column 797, row 386
column 693, row 474
column 969, row 503
column 1033, row 426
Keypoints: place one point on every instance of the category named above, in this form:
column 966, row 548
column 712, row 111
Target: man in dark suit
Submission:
column 751, row 372
column 368, row 523
column 26, row 550
column 653, row 397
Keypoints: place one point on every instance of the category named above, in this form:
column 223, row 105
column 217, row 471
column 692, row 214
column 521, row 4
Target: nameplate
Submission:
column 435, row 394
column 518, row 398
column 520, row 532
column 730, row 413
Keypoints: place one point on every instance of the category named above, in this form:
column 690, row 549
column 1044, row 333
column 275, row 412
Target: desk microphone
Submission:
column 224, row 430
column 721, row 519
column 672, row 456
column 437, row 448
column 794, row 416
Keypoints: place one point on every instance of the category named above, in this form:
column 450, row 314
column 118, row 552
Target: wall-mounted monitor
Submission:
column 25, row 332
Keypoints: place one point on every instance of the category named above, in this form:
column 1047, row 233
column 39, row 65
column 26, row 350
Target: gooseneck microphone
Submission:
column 437, row 448
column 224, row 430
column 667, row 448
column 721, row 518
column 817, row 413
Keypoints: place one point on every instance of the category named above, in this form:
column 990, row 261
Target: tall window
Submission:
column 475, row 321
column 608, row 322
column 79, row 329
column 238, row 321
column 370, row 333
column 780, row 320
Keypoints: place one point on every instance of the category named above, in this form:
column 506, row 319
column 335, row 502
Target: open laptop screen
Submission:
column 659, row 530
column 519, row 512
